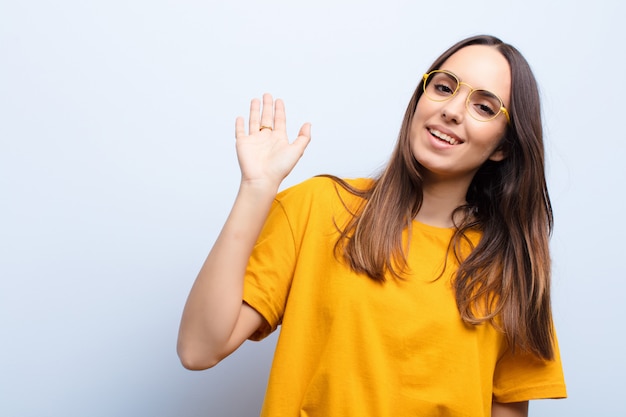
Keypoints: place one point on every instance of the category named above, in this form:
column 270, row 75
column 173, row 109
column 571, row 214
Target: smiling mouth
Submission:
column 443, row 137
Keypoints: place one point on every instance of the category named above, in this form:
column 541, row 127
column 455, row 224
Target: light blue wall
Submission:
column 117, row 168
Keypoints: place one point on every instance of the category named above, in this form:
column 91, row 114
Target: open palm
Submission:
column 265, row 153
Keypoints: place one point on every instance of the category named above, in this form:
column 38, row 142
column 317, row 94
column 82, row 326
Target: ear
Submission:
column 500, row 153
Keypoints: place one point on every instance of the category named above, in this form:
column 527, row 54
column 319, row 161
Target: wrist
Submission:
column 259, row 190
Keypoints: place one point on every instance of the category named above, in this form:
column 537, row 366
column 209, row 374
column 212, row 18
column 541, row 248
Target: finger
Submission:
column 255, row 116
column 280, row 118
column 304, row 137
column 240, row 128
column 267, row 115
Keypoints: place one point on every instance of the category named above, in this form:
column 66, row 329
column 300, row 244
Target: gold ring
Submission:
column 265, row 127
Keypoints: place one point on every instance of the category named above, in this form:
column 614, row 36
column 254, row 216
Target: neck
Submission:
column 441, row 198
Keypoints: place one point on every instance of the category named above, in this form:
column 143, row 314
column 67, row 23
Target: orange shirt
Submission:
column 350, row 346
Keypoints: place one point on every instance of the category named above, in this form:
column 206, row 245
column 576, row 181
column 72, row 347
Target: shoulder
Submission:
column 323, row 189
column 322, row 197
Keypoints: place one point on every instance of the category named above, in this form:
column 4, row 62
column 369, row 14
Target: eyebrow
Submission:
column 482, row 91
column 485, row 93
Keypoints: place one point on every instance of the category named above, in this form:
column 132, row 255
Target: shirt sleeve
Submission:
column 270, row 270
column 522, row 376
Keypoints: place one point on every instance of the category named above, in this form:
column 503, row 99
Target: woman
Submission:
column 425, row 291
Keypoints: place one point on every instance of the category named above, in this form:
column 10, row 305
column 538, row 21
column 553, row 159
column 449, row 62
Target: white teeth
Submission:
column 443, row 136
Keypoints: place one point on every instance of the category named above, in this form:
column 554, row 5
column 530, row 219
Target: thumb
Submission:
column 304, row 137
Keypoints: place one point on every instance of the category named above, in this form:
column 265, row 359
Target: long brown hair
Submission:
column 506, row 277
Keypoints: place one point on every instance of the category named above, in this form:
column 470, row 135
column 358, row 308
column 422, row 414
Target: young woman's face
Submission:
column 445, row 138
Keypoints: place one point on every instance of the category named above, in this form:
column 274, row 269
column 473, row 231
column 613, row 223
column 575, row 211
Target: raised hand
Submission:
column 265, row 154
column 215, row 320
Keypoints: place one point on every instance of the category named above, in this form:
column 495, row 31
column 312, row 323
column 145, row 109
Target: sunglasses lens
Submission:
column 483, row 105
column 440, row 86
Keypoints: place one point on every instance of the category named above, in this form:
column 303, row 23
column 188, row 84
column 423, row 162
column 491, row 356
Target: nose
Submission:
column 454, row 108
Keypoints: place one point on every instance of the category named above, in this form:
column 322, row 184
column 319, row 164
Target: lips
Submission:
column 444, row 137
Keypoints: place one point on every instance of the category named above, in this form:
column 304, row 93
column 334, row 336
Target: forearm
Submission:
column 214, row 304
